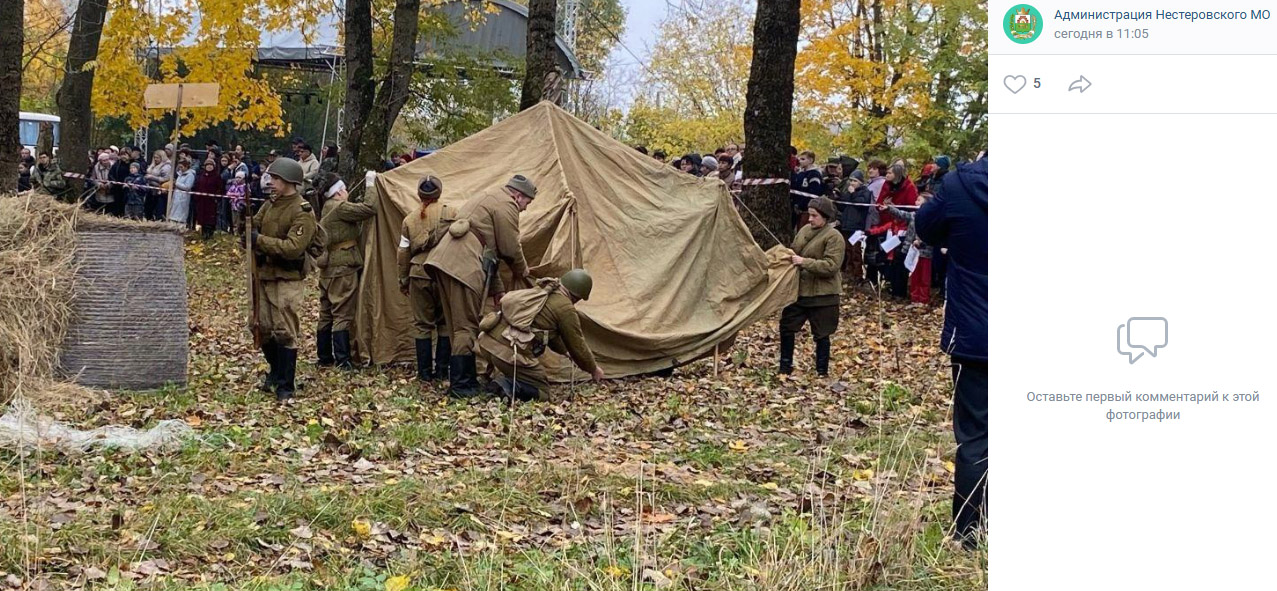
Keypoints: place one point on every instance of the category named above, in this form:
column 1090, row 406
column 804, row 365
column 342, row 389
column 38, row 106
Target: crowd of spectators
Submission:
column 875, row 203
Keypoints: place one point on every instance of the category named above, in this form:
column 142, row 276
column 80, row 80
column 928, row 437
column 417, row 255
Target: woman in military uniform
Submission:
column 339, row 269
column 819, row 250
column 420, row 232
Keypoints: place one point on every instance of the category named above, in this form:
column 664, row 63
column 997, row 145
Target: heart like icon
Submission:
column 1015, row 83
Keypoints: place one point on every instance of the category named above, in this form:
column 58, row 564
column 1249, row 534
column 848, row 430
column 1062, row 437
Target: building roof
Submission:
column 503, row 31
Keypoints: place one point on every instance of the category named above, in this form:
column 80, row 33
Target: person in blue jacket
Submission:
column 958, row 219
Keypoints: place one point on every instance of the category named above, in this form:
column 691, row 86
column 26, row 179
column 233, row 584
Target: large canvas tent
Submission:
column 675, row 270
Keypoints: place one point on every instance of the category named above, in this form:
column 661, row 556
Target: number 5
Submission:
column 1037, row 83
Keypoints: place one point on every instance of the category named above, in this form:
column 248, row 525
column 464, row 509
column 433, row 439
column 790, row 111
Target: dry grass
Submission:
column 37, row 242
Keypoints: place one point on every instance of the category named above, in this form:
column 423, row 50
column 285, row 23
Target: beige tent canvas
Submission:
column 675, row 269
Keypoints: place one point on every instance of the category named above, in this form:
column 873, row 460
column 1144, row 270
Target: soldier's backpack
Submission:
column 519, row 309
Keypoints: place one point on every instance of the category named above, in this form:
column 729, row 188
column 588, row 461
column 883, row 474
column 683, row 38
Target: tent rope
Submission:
column 760, row 222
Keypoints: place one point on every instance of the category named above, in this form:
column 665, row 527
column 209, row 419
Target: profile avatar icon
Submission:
column 1023, row 23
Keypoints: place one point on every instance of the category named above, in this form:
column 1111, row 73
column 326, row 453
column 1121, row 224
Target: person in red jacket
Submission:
column 898, row 191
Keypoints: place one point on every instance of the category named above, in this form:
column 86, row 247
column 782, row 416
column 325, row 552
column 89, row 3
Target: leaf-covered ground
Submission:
column 372, row 482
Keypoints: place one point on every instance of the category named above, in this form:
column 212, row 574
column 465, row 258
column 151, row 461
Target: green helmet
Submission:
column 287, row 170
column 578, row 283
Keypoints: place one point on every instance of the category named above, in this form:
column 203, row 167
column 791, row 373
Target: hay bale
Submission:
column 111, row 294
column 129, row 324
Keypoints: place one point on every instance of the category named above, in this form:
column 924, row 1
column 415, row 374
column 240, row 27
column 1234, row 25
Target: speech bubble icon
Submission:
column 1149, row 334
column 1122, row 348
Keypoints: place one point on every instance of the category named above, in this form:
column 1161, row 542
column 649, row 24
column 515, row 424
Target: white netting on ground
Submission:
column 23, row 429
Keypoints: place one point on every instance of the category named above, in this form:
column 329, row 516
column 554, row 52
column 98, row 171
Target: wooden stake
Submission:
column 716, row 361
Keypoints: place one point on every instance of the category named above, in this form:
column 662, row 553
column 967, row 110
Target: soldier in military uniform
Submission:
column 339, row 269
column 282, row 230
column 420, row 232
column 463, row 266
column 527, row 322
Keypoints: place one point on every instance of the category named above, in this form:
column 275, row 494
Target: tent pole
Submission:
column 575, row 247
column 328, row 104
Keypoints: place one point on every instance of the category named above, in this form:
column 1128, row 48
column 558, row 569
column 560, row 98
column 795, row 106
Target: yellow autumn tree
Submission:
column 196, row 41
column 899, row 76
column 692, row 95
column 44, row 45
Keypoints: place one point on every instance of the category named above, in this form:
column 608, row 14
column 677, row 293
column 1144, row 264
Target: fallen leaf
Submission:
column 617, row 572
column 362, row 528
column 398, row 583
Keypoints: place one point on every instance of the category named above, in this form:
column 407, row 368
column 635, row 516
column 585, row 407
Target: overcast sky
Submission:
column 642, row 19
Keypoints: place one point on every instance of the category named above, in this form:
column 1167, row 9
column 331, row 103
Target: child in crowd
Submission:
column 236, row 193
column 135, row 207
column 920, row 278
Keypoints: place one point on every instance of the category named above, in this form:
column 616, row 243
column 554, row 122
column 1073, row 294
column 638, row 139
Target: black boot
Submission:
column 463, row 378
column 822, row 357
column 271, row 352
column 424, row 372
column 287, row 374
column 786, row 353
column 341, row 350
column 324, row 344
column 443, row 353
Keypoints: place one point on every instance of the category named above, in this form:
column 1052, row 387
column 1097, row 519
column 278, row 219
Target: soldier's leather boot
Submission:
column 341, row 350
column 526, row 393
column 443, row 354
column 287, row 374
column 424, row 371
column 787, row 353
column 271, row 352
column 822, row 357
column 324, row 344
column 463, row 378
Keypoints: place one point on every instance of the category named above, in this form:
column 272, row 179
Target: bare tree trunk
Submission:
column 372, row 107
column 76, row 94
column 360, row 87
column 540, row 54
column 769, row 109
column 11, row 33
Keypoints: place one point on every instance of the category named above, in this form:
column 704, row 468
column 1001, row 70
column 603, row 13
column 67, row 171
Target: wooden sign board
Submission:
column 164, row 96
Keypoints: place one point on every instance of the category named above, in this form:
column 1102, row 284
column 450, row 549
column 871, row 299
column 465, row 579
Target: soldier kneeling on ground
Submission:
column 529, row 320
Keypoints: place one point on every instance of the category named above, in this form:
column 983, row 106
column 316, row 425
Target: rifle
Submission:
column 254, row 324
column 489, row 264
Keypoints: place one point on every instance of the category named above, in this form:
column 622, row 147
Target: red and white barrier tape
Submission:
column 813, row 196
column 72, row 175
column 764, row 181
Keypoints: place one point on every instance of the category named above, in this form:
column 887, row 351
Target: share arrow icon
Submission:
column 1080, row 85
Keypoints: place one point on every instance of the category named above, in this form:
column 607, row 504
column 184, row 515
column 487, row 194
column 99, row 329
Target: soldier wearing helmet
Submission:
column 529, row 321
column 282, row 230
column 420, row 232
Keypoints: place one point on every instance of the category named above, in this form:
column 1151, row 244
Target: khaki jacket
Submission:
column 343, row 224
column 285, row 226
column 418, row 235
column 821, row 274
column 558, row 323
column 494, row 225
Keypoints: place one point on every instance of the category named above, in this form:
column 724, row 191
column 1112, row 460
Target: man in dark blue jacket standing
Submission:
column 958, row 219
